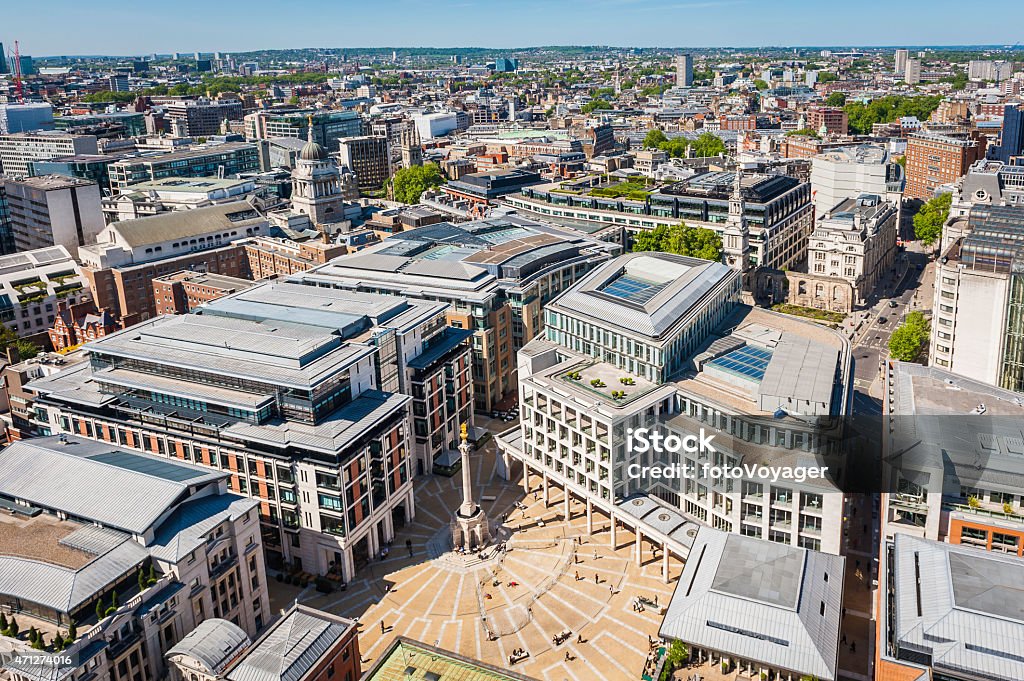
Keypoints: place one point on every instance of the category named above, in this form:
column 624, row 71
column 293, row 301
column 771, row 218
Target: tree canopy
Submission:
column 595, row 104
column 8, row 338
column 804, row 132
column 410, row 183
column 836, row 99
column 887, row 109
column 681, row 239
column 929, row 220
column 760, row 84
column 654, row 139
column 907, row 342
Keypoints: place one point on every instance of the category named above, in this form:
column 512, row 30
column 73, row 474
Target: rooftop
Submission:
column 180, row 224
column 49, row 183
column 409, row 660
column 761, row 601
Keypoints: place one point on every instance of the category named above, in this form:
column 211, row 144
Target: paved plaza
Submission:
column 553, row 579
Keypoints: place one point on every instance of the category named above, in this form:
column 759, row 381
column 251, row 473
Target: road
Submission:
column 912, row 292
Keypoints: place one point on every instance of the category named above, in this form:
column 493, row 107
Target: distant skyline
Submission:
column 119, row 28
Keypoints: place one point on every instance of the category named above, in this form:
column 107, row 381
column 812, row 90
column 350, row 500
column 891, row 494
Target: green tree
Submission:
column 13, row 628
column 929, row 220
column 907, row 341
column 681, row 239
column 595, row 104
column 760, row 84
column 836, row 99
column 72, row 632
column 708, row 144
column 3, row 623
column 9, row 338
column 100, row 610
column 654, row 139
column 410, row 183
column 33, row 635
column 827, row 77
column 863, row 115
column 58, row 641
column 804, row 132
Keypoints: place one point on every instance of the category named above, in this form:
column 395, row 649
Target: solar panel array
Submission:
column 747, row 361
column 633, row 289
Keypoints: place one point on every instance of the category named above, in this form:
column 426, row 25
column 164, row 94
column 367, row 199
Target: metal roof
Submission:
column 77, row 478
column 760, row 601
column 964, row 610
column 182, row 224
column 214, row 643
column 292, row 647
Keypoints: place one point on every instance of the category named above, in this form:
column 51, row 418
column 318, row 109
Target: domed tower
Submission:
column 316, row 184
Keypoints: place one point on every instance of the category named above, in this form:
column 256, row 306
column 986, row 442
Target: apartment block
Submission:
column 140, row 554
column 274, row 256
column 833, row 120
column 17, row 149
column 936, row 159
column 495, row 274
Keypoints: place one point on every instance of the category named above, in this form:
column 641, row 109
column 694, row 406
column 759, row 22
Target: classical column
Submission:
column 568, row 511
column 664, row 562
column 470, row 527
column 612, row 530
column 639, row 547
column 545, row 489
column 590, row 517
column 526, row 478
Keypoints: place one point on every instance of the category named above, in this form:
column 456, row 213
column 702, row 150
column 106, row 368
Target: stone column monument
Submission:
column 470, row 527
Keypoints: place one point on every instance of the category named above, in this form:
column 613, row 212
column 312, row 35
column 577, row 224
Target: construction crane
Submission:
column 19, row 88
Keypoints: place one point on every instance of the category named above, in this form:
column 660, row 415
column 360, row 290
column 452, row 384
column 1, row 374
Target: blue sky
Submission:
column 58, row 27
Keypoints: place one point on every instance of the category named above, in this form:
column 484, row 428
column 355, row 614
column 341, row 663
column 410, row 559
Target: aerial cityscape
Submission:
column 646, row 353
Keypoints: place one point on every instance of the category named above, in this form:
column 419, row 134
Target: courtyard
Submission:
column 559, row 601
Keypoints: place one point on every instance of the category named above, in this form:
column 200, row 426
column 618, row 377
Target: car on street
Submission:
column 893, row 303
column 883, row 320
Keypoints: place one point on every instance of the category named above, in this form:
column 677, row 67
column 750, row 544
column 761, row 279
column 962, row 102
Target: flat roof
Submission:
column 409, row 660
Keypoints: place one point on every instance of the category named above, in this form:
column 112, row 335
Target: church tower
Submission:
column 736, row 236
column 409, row 144
column 316, row 185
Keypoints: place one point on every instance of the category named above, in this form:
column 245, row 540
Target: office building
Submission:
column 118, row 83
column 110, row 124
column 203, row 117
column 6, row 231
column 844, row 173
column 28, row 65
column 216, row 160
column 435, row 124
column 302, row 645
column 1011, row 138
column 759, row 608
column 505, row 65
column 496, row 274
column 777, row 210
column 854, row 243
column 141, row 553
column 484, row 189
column 831, row 120
column 661, row 341
column 128, row 255
column 901, row 61
column 684, row 70
column 91, row 167
column 935, row 159
column 28, row 117
column 3, row 60
column 18, row 149
column 948, row 613
column 912, row 71
column 368, row 157
column 328, row 126
column 292, row 393
column 174, row 193
column 53, row 210
column 33, row 284
column 951, row 455
column 977, row 329
column 185, row 291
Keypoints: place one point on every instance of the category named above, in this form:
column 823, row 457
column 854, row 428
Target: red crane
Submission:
column 19, row 90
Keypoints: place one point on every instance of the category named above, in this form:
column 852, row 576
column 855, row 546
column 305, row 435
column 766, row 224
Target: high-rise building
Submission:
column 662, row 342
column 935, row 159
column 684, row 70
column 28, row 65
column 1011, row 139
column 987, row 69
column 912, row 72
column 53, row 210
column 118, row 83
column 830, row 119
column 203, row 117
column 300, row 397
column 901, row 61
column 505, row 65
column 369, row 157
column 496, row 274
column 328, row 126
column 144, row 551
column 3, row 60
column 18, row 149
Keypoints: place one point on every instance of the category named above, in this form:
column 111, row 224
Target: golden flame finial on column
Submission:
column 464, row 431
